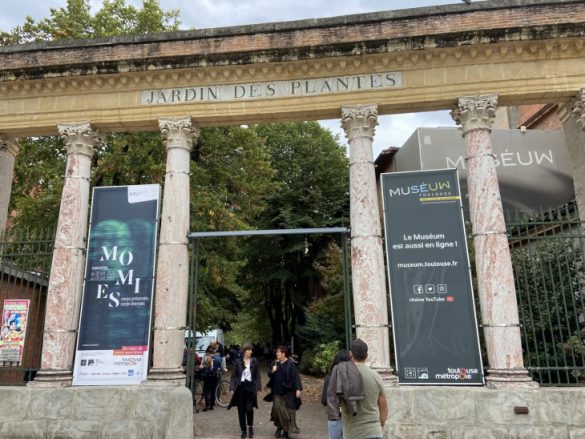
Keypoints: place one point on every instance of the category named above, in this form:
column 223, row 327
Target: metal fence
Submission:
column 25, row 260
column 547, row 257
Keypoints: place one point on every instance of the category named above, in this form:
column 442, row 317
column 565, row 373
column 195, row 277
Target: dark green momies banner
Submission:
column 114, row 329
column 433, row 313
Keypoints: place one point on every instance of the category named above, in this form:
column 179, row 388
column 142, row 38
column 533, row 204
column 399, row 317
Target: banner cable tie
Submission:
column 182, row 328
column 60, row 331
column 480, row 155
column 489, row 233
column 501, row 325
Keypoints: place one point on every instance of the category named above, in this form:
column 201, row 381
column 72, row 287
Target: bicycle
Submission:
column 222, row 392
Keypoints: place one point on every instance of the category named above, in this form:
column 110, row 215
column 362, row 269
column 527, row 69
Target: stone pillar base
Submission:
column 166, row 377
column 509, row 379
column 52, row 378
column 388, row 375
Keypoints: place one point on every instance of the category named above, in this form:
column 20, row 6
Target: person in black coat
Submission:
column 286, row 393
column 245, row 385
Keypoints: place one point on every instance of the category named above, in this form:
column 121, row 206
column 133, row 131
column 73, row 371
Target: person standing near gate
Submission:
column 210, row 367
column 245, row 385
column 372, row 410
column 286, row 390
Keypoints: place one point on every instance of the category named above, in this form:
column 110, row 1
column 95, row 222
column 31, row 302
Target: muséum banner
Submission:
column 433, row 314
column 114, row 327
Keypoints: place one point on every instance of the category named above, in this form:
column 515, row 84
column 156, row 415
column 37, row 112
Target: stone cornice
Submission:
column 311, row 39
column 397, row 57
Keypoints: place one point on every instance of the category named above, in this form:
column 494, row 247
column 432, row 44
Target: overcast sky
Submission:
column 392, row 130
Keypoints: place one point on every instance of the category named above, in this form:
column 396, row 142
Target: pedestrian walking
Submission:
column 372, row 410
column 245, row 385
column 211, row 365
column 334, row 424
column 286, row 391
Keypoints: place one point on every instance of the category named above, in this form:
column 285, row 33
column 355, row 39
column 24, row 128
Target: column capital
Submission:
column 178, row 132
column 475, row 112
column 79, row 137
column 578, row 108
column 359, row 120
column 9, row 144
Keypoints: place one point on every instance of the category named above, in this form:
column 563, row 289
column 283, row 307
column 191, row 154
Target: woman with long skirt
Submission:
column 286, row 390
column 245, row 385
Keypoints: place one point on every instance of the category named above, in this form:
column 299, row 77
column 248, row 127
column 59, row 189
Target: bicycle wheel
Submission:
column 198, row 392
column 222, row 393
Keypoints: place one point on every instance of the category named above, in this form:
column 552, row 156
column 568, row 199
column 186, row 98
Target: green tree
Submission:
column 549, row 285
column 312, row 191
column 231, row 177
column 123, row 158
column 75, row 21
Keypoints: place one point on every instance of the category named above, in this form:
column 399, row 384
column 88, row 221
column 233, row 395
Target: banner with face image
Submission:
column 114, row 329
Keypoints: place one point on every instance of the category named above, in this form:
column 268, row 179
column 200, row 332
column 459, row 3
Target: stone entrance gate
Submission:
column 468, row 58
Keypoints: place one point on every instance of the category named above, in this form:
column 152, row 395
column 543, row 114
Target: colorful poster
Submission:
column 114, row 328
column 12, row 337
column 433, row 313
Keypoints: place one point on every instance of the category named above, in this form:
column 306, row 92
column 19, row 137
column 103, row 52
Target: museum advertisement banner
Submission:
column 114, row 327
column 12, row 337
column 433, row 314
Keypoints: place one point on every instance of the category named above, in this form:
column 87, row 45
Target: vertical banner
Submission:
column 433, row 313
column 12, row 337
column 114, row 327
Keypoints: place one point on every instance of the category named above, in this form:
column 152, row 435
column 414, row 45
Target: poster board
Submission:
column 13, row 332
column 433, row 313
column 114, row 329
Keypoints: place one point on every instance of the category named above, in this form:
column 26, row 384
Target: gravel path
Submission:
column 223, row 424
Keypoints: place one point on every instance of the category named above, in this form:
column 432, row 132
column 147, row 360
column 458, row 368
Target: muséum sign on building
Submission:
column 433, row 314
column 114, row 329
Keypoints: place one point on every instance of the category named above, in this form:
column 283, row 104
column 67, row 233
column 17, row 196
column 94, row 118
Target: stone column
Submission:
column 66, row 278
column 8, row 152
column 572, row 116
column 172, row 277
column 495, row 278
column 367, row 255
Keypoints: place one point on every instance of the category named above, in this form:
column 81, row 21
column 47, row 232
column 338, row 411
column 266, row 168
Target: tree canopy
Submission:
column 75, row 21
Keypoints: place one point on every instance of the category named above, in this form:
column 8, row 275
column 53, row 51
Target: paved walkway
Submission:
column 223, row 424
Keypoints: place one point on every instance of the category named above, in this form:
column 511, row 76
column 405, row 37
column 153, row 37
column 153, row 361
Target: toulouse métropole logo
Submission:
column 125, row 276
column 421, row 189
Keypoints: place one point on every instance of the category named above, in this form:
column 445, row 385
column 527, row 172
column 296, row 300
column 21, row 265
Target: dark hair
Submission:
column 359, row 349
column 340, row 357
column 284, row 350
column 247, row 347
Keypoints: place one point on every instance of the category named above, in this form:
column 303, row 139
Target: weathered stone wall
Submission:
column 92, row 412
column 481, row 413
column 365, row 33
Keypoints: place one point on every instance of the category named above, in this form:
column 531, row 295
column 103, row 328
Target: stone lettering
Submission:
column 274, row 89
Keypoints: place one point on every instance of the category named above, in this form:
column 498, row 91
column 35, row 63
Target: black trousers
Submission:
column 246, row 404
column 209, row 385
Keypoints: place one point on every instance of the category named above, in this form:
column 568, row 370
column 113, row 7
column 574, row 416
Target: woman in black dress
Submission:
column 245, row 385
column 286, row 390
